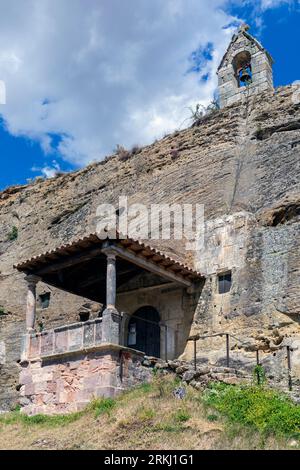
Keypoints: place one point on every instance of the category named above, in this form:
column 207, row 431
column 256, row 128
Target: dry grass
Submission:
column 149, row 417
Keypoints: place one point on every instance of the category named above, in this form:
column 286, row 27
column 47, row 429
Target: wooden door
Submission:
column 144, row 331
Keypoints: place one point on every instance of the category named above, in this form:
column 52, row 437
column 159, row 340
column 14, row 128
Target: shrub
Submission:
column 200, row 111
column 266, row 410
column 259, row 374
column 13, row 234
column 212, row 417
column 122, row 153
column 39, row 179
column 135, row 149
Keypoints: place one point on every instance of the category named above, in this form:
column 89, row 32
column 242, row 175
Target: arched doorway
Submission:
column 144, row 331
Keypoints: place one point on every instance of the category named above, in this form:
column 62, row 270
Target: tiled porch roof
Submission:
column 136, row 247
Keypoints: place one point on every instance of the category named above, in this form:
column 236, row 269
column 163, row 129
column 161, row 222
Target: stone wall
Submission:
column 242, row 163
column 69, row 382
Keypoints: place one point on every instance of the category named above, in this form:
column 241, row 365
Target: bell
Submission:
column 245, row 76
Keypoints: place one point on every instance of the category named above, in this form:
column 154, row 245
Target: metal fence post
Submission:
column 257, row 370
column 288, row 350
column 227, row 350
column 166, row 342
column 195, row 354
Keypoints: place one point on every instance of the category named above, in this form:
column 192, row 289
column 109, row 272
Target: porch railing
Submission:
column 64, row 339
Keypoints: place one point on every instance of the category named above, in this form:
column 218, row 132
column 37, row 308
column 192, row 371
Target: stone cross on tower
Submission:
column 245, row 67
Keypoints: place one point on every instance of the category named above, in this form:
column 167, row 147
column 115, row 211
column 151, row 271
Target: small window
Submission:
column 45, row 300
column 224, row 281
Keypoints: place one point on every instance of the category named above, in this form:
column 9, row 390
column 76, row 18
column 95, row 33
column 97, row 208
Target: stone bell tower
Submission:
column 245, row 68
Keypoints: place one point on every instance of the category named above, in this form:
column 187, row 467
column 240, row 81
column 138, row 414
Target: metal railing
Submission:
column 126, row 317
column 258, row 362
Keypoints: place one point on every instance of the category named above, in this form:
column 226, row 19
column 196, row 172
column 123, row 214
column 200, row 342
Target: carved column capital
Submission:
column 110, row 253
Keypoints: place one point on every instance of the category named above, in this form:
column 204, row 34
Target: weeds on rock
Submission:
column 13, row 234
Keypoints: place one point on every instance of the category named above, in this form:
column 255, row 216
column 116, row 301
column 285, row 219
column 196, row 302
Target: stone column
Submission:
column 31, row 302
column 111, row 280
column 111, row 318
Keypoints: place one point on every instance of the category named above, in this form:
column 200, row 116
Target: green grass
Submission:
column 247, row 417
column 102, row 406
column 136, row 393
column 145, row 413
column 181, row 416
column 167, row 427
column 256, row 409
column 15, row 417
column 263, row 409
column 97, row 406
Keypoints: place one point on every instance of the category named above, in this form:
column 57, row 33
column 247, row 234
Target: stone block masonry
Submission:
column 70, row 381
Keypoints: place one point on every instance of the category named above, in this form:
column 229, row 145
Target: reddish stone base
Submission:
column 65, row 384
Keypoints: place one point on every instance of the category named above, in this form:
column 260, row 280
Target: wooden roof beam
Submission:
column 150, row 266
column 69, row 261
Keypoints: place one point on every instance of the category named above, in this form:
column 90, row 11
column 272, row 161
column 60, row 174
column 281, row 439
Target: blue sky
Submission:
column 119, row 85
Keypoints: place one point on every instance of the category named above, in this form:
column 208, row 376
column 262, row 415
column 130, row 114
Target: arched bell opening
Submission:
column 144, row 331
column 243, row 68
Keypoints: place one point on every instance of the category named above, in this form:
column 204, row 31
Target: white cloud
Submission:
column 266, row 4
column 108, row 73
column 48, row 171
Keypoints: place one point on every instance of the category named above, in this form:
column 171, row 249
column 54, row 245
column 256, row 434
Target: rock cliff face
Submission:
column 242, row 163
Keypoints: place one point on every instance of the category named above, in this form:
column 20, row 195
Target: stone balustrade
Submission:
column 63, row 340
